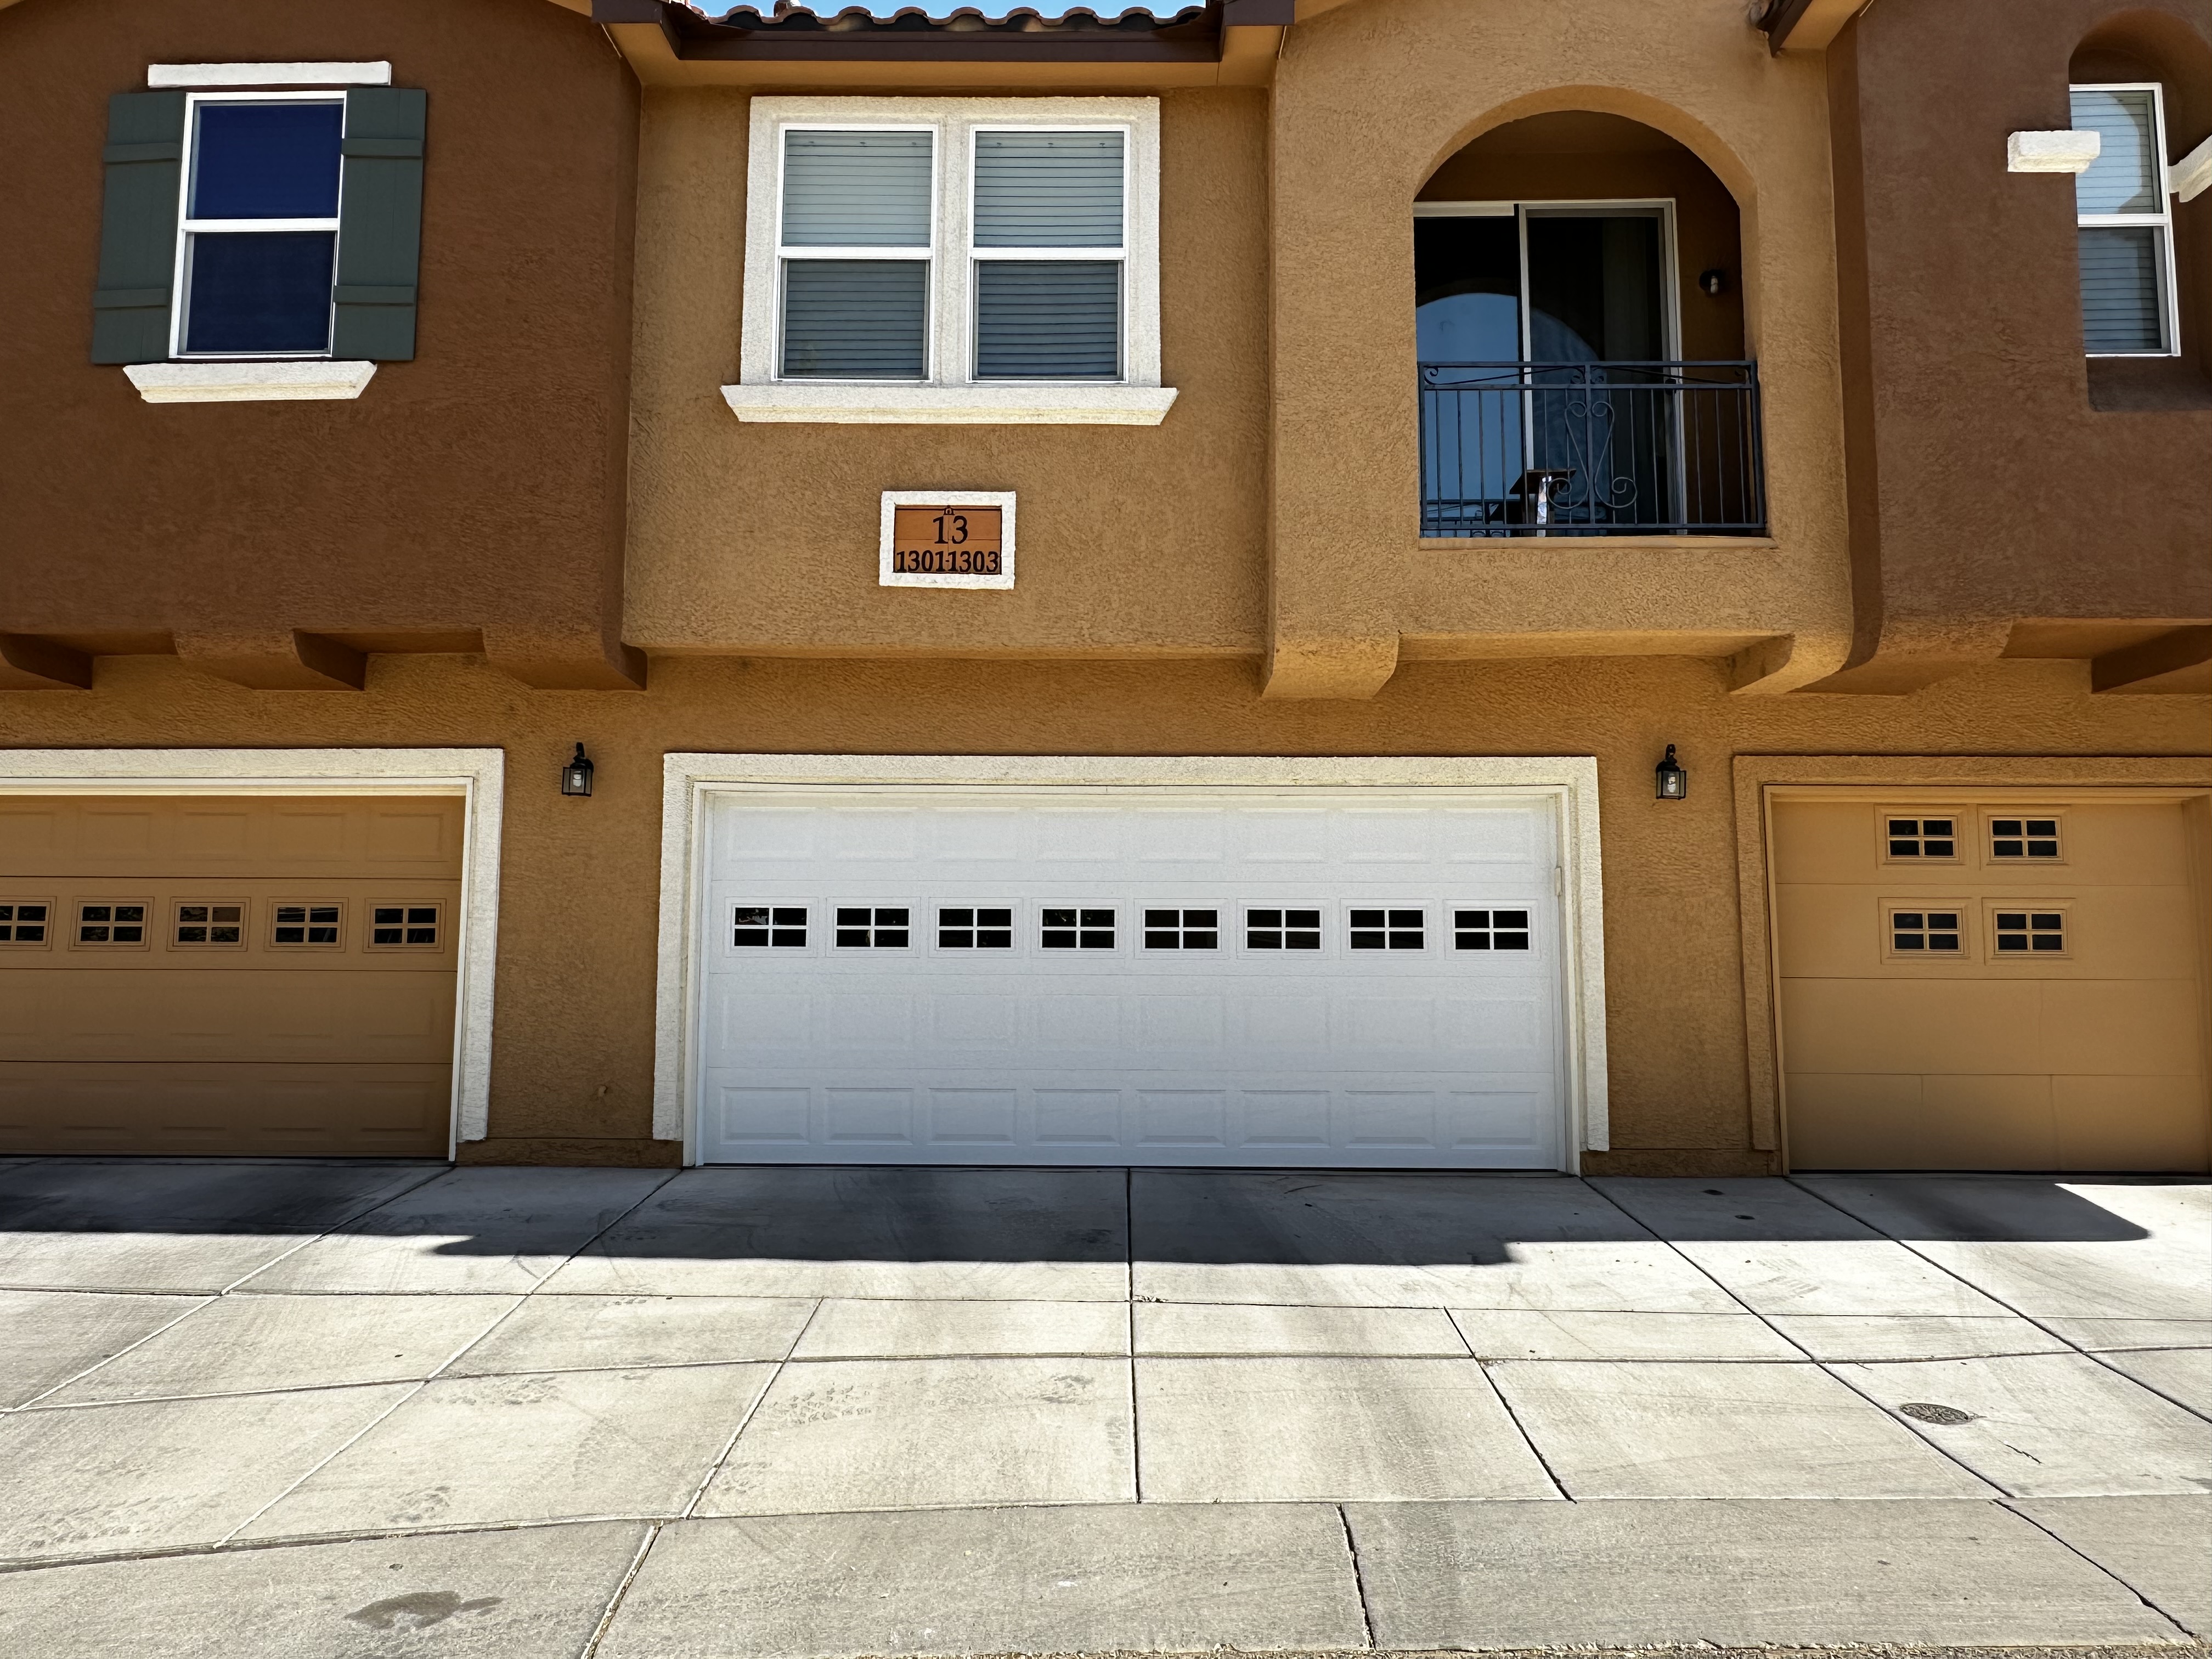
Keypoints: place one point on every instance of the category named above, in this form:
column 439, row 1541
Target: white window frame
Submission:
column 2161, row 221
column 952, row 392
column 188, row 227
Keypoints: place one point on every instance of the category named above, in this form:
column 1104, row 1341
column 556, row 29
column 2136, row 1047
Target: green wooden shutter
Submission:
column 138, row 227
column 379, row 225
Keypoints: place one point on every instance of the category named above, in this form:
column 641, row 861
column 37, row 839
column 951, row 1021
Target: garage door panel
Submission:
column 2122, row 1029
column 1210, row 1051
column 1847, row 1025
column 2090, row 1056
column 148, row 1018
column 258, row 1110
column 2153, row 1124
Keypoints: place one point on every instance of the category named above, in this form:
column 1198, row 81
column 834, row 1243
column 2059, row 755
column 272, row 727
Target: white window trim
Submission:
column 2161, row 221
column 1568, row 781
column 953, row 395
column 187, row 226
column 163, row 75
column 249, row 379
column 477, row 776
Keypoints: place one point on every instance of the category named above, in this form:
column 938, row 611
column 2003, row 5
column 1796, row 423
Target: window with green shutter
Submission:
column 252, row 225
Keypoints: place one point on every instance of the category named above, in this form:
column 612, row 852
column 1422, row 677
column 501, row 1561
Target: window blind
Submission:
column 1048, row 319
column 2122, row 309
column 2124, row 177
column 856, row 189
column 855, row 319
column 1048, row 190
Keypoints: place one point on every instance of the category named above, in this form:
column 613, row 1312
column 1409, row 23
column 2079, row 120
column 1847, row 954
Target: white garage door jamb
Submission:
column 477, row 776
column 1569, row 780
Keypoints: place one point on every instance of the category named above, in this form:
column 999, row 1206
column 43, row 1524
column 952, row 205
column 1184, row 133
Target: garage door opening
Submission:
column 246, row 973
column 1345, row 978
column 1992, row 979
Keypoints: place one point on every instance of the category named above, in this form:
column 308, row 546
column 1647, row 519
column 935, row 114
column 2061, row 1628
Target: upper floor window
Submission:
column 2126, row 221
column 257, row 244
column 974, row 249
column 257, row 218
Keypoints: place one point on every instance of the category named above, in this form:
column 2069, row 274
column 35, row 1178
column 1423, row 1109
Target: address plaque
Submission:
column 947, row 538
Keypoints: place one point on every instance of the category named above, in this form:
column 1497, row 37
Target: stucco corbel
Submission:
column 28, row 663
column 1785, row 663
column 565, row 662
column 1349, row 668
column 276, row 659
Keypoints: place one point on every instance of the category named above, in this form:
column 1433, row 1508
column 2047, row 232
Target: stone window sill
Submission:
column 951, row 405
column 248, row 383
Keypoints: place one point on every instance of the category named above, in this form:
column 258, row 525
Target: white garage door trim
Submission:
column 477, row 776
column 1570, row 782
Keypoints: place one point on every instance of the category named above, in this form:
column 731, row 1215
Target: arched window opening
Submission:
column 1579, row 322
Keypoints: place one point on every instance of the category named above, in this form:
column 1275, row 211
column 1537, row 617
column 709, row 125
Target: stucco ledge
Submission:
column 1073, row 404
column 249, row 383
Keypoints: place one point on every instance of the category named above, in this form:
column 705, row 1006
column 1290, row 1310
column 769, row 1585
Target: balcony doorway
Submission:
column 1557, row 397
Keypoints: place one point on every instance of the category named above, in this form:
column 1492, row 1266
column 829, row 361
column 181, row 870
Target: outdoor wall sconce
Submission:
column 1714, row 282
column 576, row 775
column 1673, row 781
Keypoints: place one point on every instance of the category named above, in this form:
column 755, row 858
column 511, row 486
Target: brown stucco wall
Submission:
column 1132, row 540
column 1988, row 484
column 573, row 1046
column 478, row 490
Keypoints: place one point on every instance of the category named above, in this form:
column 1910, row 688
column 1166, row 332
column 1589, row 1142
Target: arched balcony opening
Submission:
column 1580, row 326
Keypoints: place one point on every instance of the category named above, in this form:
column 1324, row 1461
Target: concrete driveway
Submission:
column 327, row 1410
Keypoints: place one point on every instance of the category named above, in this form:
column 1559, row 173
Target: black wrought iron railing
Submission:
column 1591, row 449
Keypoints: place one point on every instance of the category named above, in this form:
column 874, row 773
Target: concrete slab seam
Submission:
column 2014, row 1505
column 622, row 1590
column 1358, row 1579
column 2056, row 1336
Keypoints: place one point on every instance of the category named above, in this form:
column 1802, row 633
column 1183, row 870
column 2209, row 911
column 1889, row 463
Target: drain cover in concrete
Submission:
column 1949, row 1416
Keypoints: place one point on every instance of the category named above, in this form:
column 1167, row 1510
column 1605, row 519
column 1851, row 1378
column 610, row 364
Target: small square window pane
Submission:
column 255, row 161
column 262, row 291
column 386, row 935
column 2124, row 177
column 855, row 319
column 856, row 189
column 1048, row 189
column 1038, row 320
column 2123, row 289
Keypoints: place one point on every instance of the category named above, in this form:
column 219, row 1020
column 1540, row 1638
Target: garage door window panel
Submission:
column 307, row 924
column 1490, row 928
column 2024, row 838
column 2022, row 932
column 1182, row 930
column 768, row 927
column 208, row 924
column 1912, row 836
column 26, row 923
column 975, row 927
column 1077, row 927
column 405, row 925
column 1923, row 930
column 874, row 928
column 110, row 924
column 1391, row 928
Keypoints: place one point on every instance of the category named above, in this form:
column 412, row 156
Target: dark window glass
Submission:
column 257, row 161
column 1077, row 930
column 1182, row 930
column 1387, row 930
column 979, row 928
column 773, row 926
column 259, row 292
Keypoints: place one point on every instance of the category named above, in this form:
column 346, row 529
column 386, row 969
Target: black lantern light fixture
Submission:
column 1673, row 782
column 576, row 775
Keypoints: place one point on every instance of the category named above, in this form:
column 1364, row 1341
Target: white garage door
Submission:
column 1135, row 975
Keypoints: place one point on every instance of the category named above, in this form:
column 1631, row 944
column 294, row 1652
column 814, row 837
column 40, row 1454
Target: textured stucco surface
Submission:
column 572, row 1059
column 1369, row 101
column 478, row 490
column 1135, row 540
column 1989, row 485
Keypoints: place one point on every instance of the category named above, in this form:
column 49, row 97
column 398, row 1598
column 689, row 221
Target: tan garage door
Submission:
column 1992, row 982
column 234, row 975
